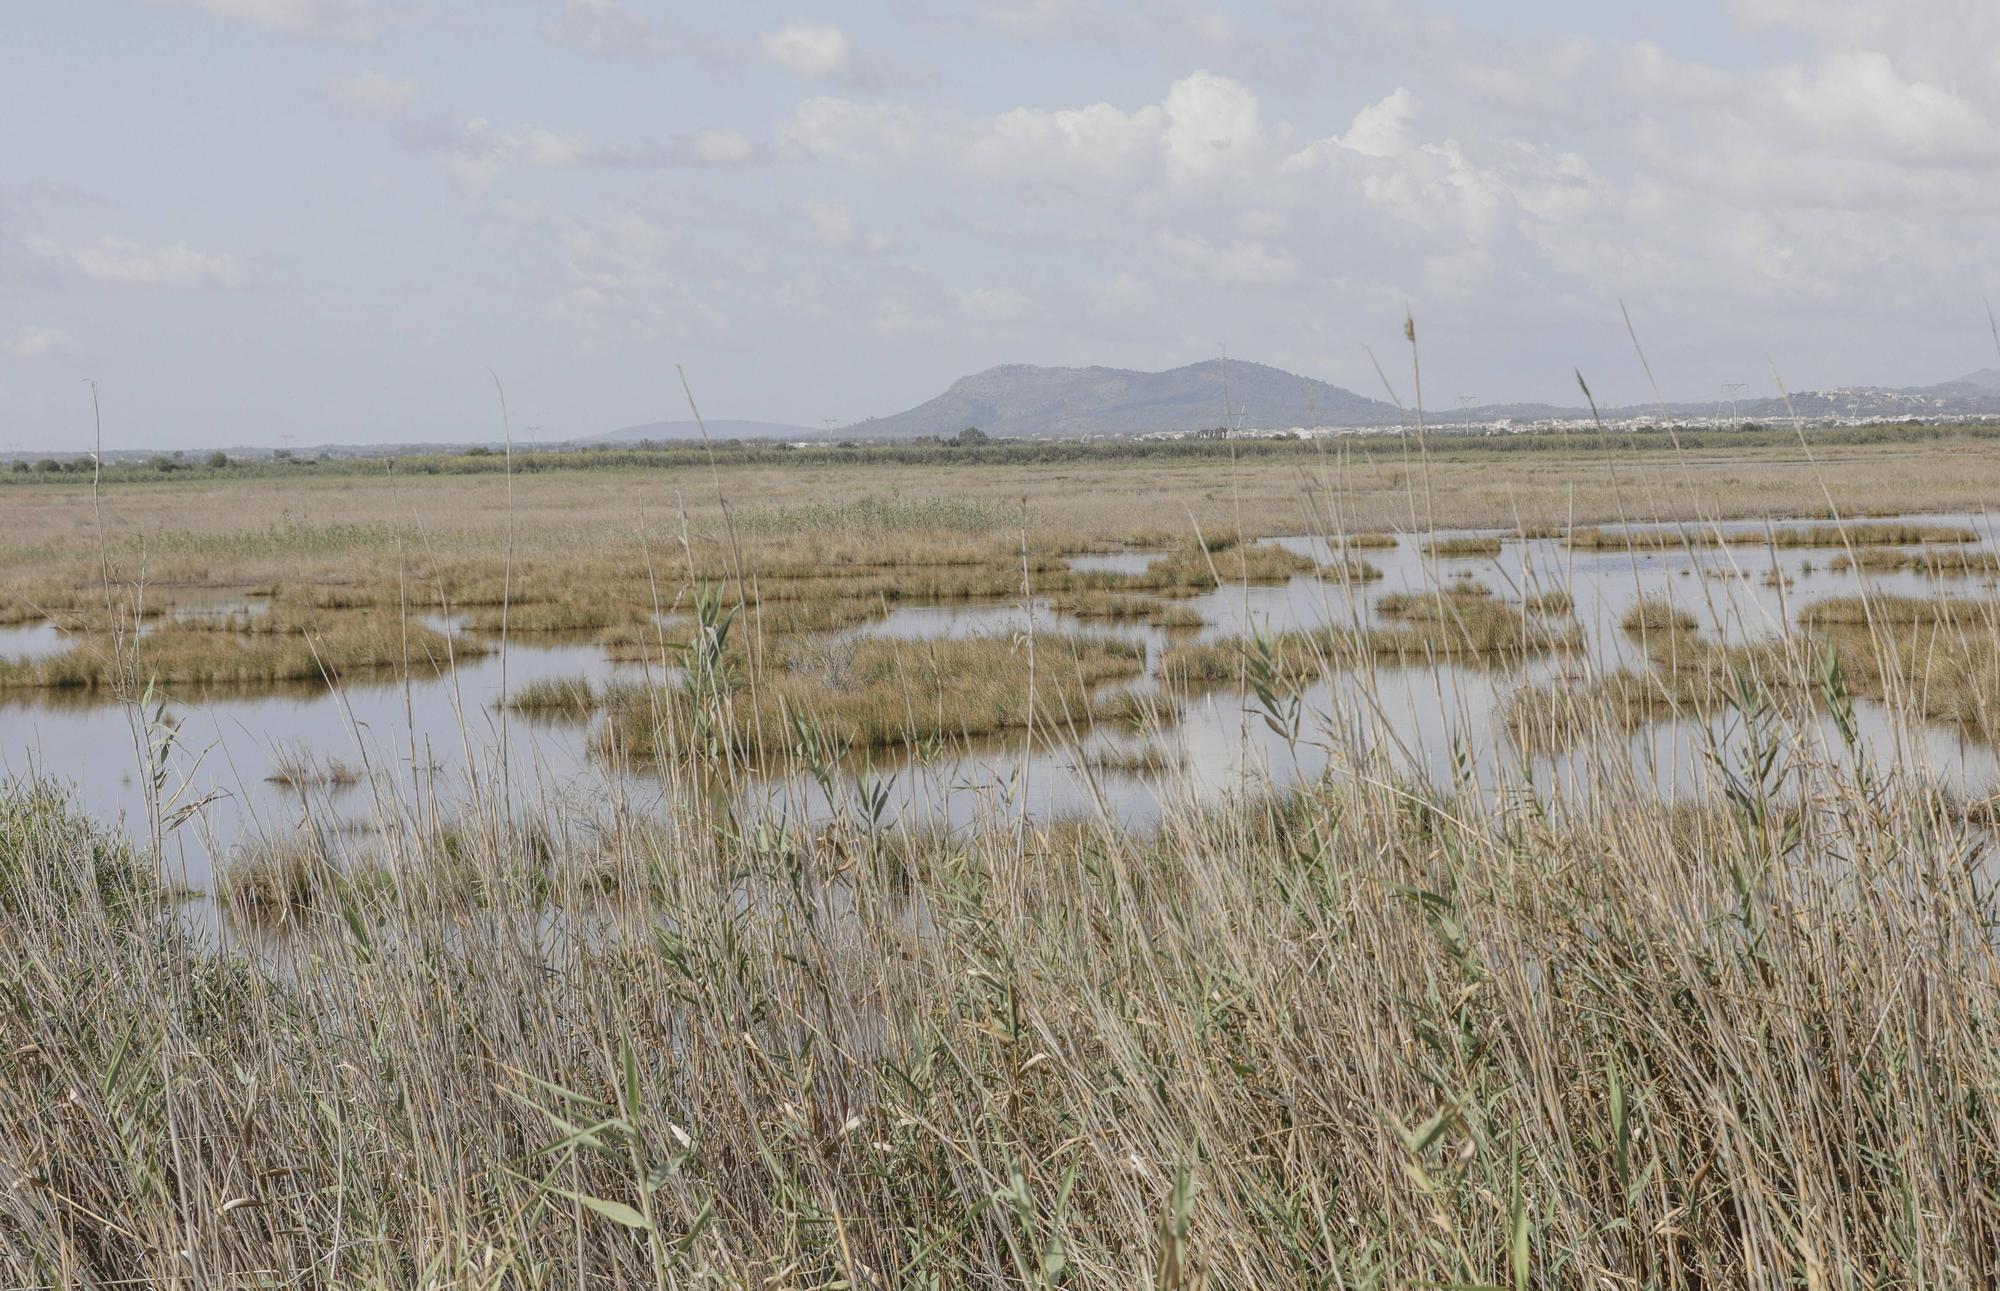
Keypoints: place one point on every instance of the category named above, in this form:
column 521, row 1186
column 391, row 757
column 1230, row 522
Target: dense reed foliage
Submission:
column 1356, row 1034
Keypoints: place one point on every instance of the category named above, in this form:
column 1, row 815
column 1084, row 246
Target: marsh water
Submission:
column 250, row 765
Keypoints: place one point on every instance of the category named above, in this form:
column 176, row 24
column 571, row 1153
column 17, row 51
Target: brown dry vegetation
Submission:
column 1349, row 1032
column 196, row 655
column 1655, row 615
column 1463, row 546
column 1443, row 627
column 1361, row 1032
column 870, row 693
column 1851, row 533
column 1928, row 659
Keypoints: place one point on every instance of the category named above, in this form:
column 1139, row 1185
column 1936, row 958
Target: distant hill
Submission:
column 1020, row 400
column 725, row 429
column 1972, row 385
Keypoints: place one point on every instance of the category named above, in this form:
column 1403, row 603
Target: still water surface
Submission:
column 441, row 738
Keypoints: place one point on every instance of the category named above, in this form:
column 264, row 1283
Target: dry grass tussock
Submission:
column 1656, row 614
column 262, row 651
column 1119, row 607
column 1927, row 659
column 1831, row 534
column 1463, row 625
column 876, row 693
column 1463, row 546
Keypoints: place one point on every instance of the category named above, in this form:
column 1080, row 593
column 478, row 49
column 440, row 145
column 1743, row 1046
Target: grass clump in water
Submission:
column 1121, row 608
column 195, row 656
column 572, row 698
column 1436, row 627
column 298, row 769
column 1134, row 760
column 1653, row 615
column 881, row 693
column 1463, row 546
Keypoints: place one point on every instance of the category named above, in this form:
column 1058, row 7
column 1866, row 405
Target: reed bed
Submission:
column 1942, row 562
column 1358, row 1032
column 1868, row 533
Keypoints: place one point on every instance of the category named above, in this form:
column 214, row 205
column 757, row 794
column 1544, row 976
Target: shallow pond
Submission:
column 258, row 765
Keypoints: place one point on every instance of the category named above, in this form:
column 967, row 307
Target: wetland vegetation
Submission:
column 1331, row 866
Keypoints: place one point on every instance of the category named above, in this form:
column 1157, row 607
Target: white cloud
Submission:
column 334, row 19
column 1213, row 27
column 1098, row 139
column 1651, row 71
column 376, row 92
column 835, row 227
column 27, row 342
column 135, row 264
column 842, row 130
column 1861, row 99
column 811, row 51
column 1262, row 224
column 991, row 304
column 1241, row 264
column 477, row 151
column 1382, row 129
column 1207, row 127
column 620, row 274
column 1214, row 127
column 539, row 147
column 1029, row 17
column 722, row 147
column 609, row 29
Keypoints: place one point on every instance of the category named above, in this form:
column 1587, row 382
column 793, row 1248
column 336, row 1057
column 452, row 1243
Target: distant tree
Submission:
column 971, row 435
column 479, row 450
column 49, row 466
column 22, row 466
column 163, row 464
column 217, row 460
column 281, row 455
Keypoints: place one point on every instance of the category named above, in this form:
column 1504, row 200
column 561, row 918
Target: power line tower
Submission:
column 1732, row 389
column 1466, row 403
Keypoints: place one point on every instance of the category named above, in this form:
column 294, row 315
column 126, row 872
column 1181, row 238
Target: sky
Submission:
column 266, row 222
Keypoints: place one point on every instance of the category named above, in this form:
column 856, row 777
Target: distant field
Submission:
column 1101, row 492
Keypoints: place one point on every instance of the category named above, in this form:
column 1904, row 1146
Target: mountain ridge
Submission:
column 1022, row 400
column 1034, row 401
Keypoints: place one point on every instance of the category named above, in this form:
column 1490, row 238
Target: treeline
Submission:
column 484, row 460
